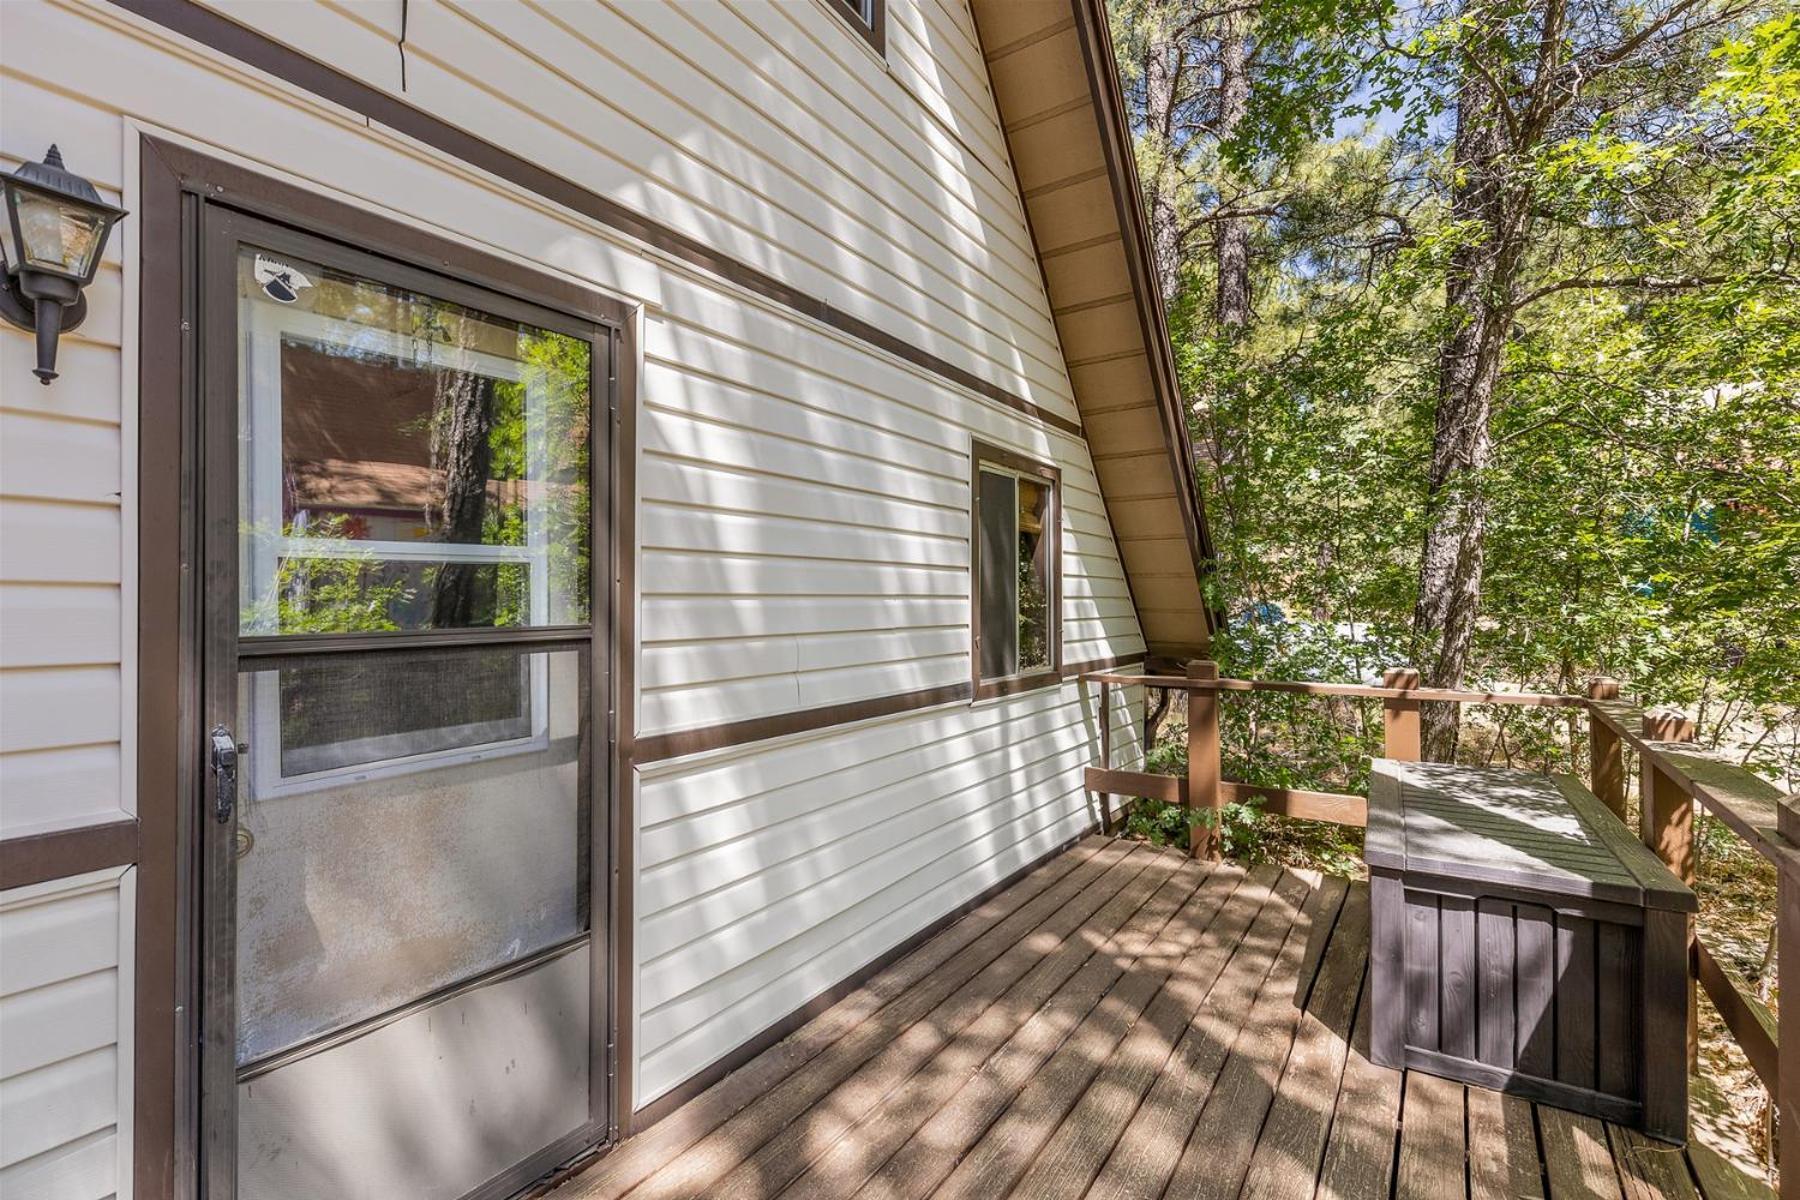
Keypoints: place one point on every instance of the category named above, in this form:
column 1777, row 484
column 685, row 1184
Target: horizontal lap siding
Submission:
column 61, row 545
column 803, row 499
column 62, row 946
column 798, row 496
column 768, row 875
column 766, row 131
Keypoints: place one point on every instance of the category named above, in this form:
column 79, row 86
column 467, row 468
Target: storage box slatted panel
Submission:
column 1523, row 940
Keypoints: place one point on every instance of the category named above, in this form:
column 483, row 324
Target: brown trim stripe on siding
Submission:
column 38, row 857
column 252, row 49
column 657, row 747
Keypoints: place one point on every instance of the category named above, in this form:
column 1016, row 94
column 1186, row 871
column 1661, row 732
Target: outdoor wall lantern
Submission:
column 56, row 226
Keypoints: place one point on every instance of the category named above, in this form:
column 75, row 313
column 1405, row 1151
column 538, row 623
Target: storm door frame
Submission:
column 184, row 1108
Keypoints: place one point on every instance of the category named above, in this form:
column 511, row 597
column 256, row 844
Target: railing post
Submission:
column 1787, row 966
column 1203, row 762
column 1667, row 812
column 1606, row 758
column 1400, row 718
column 1666, row 824
column 1106, row 759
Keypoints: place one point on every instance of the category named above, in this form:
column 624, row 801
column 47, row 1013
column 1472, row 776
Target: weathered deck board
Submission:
column 1069, row 1162
column 918, row 1169
column 1126, row 1023
column 968, row 945
column 1359, row 1152
column 1218, row 1155
column 929, row 1009
column 1292, row 1144
column 1035, row 1031
column 1503, row 1152
column 1151, row 1146
column 1432, row 1145
column 1083, row 965
column 1577, row 1157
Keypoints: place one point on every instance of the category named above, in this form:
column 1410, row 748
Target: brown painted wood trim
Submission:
column 164, row 1125
column 1091, row 26
column 623, row 655
column 37, row 857
column 697, row 1083
column 1751, row 1023
column 218, row 33
column 1081, row 670
column 175, row 181
column 987, row 689
column 658, row 747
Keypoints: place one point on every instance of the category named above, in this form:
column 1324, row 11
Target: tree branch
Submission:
column 1646, row 283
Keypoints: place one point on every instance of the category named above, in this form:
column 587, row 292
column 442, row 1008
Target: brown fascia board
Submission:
column 1115, row 136
column 1054, row 90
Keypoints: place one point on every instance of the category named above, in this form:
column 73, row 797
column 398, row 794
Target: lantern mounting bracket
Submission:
column 23, row 313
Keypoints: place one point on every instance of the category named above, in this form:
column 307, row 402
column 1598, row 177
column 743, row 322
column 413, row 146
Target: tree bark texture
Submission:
column 1162, row 69
column 1479, row 297
column 1231, row 306
column 462, row 451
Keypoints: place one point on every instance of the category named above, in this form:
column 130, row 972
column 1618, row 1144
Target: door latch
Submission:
column 225, row 751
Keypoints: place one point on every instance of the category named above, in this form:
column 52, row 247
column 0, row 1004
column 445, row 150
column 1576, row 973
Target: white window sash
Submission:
column 260, row 504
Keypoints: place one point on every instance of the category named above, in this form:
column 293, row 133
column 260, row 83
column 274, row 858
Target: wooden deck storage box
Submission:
column 1524, row 940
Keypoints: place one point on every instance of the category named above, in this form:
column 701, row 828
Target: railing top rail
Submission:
column 1309, row 688
column 1747, row 804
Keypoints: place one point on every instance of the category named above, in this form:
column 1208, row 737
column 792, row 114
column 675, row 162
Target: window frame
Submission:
column 867, row 17
column 266, row 329
column 998, row 459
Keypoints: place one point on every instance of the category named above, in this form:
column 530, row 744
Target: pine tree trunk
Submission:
column 1232, row 304
column 463, row 451
column 1478, row 303
column 1161, row 64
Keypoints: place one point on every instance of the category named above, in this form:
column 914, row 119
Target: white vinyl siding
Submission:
column 803, row 498
column 765, row 130
column 768, row 874
column 65, row 950
column 62, row 620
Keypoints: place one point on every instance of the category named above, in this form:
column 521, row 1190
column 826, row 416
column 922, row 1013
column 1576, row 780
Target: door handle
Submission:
column 225, row 751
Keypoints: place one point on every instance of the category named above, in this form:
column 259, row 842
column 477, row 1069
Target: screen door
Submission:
column 406, row 819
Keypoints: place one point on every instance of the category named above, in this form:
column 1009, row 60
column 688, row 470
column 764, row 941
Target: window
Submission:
column 407, row 465
column 1016, row 616
column 867, row 17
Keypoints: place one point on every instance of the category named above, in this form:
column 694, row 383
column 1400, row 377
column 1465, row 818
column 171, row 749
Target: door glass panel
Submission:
column 410, row 820
column 404, row 462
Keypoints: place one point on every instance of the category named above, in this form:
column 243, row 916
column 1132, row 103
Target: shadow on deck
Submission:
column 1126, row 1023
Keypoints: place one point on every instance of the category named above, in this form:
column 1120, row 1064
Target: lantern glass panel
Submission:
column 56, row 234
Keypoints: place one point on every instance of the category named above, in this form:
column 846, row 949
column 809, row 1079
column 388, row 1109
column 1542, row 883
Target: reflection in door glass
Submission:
column 402, row 830
column 404, row 462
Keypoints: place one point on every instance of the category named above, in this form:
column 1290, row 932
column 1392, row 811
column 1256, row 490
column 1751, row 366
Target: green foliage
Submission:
column 1159, row 823
column 1643, row 517
column 336, row 595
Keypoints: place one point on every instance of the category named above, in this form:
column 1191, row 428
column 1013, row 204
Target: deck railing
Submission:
column 1673, row 776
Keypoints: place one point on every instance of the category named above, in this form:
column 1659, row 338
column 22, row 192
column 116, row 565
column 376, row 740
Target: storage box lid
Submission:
column 1511, row 827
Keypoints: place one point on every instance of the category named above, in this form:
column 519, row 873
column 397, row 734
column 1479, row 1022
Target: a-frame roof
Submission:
column 1056, row 83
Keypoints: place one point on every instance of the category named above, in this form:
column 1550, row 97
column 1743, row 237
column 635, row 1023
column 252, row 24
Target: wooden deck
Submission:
column 1123, row 1023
